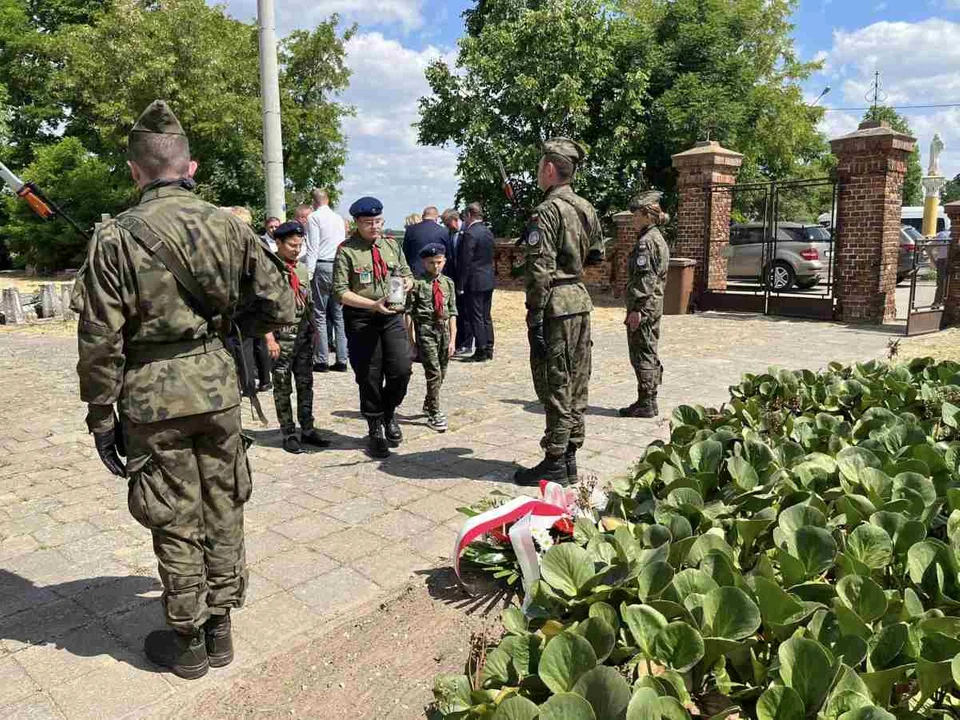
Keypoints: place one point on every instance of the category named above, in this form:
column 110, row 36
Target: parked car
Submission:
column 909, row 238
column 802, row 255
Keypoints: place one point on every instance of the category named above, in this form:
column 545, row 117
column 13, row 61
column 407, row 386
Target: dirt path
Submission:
column 378, row 665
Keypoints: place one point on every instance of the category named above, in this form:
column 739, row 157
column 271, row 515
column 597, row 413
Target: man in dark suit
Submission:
column 476, row 279
column 451, row 220
column 426, row 232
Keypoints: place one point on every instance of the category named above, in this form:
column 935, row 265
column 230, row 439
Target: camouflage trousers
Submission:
column 294, row 367
column 562, row 380
column 188, row 480
column 433, row 342
column 642, row 344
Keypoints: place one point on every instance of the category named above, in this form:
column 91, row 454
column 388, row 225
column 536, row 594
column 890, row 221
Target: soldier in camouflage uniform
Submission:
column 376, row 337
column 646, row 278
column 291, row 348
column 160, row 284
column 564, row 235
column 431, row 325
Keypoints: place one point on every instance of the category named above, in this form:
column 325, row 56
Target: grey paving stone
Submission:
column 335, row 591
column 38, row 706
column 350, row 544
column 296, row 566
column 308, row 528
column 15, row 684
column 109, row 691
column 358, row 510
column 268, row 624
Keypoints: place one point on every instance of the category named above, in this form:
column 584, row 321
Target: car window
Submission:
column 911, row 232
column 790, row 234
column 817, row 234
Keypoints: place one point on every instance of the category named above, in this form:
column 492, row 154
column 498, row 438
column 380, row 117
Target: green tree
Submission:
column 912, row 188
column 635, row 81
column 951, row 191
column 86, row 187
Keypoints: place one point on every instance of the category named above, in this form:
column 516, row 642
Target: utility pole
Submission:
column 270, row 97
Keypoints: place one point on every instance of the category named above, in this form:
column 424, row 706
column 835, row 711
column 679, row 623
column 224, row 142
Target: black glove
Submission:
column 538, row 343
column 594, row 257
column 109, row 444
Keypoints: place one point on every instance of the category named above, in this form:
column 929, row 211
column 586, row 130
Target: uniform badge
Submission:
column 366, row 277
column 533, row 238
column 642, row 261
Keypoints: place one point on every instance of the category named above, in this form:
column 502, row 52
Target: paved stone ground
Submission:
column 325, row 531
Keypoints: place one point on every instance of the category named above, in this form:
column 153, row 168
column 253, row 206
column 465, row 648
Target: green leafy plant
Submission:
column 793, row 554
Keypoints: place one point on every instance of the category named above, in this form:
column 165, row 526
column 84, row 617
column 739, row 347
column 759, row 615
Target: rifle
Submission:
column 506, row 185
column 38, row 202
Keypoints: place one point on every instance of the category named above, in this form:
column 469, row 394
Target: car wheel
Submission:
column 780, row 276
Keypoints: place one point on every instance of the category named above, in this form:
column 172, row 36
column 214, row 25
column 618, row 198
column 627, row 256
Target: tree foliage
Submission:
column 912, row 188
column 635, row 81
column 951, row 191
column 85, row 71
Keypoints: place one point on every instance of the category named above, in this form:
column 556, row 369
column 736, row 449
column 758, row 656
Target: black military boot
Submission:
column 570, row 460
column 377, row 438
column 552, row 469
column 643, row 408
column 392, row 429
column 184, row 655
column 292, row 445
column 313, row 437
column 219, row 641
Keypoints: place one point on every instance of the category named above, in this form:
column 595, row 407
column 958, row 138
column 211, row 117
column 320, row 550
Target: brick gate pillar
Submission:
column 700, row 168
column 951, row 314
column 871, row 165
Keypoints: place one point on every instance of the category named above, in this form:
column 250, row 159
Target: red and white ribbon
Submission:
column 526, row 515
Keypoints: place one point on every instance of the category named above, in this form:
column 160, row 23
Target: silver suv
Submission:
column 802, row 255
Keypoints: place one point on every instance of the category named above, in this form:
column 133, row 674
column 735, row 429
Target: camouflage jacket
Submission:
column 647, row 273
column 304, row 322
column 131, row 309
column 353, row 267
column 420, row 300
column 564, row 229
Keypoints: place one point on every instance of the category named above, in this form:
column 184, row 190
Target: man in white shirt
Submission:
column 325, row 232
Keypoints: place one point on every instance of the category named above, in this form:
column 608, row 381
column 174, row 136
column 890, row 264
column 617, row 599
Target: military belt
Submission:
column 565, row 281
column 152, row 352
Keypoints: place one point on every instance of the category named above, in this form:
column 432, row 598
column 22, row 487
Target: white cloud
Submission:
column 293, row 14
column 919, row 65
column 384, row 158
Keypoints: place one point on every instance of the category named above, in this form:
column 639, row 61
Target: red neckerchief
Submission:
column 438, row 304
column 380, row 269
column 295, row 281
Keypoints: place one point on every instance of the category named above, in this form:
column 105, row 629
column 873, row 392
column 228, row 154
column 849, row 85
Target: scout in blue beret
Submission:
column 291, row 227
column 291, row 349
column 431, row 327
column 366, row 207
column 375, row 329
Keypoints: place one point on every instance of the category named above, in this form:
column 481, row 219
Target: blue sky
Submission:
column 915, row 44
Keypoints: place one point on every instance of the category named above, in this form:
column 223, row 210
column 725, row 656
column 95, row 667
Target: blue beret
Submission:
column 433, row 250
column 366, row 207
column 291, row 227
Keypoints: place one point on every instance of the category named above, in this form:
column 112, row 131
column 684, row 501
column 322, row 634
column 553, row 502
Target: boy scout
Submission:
column 646, row 278
column 376, row 337
column 160, row 285
column 564, row 235
column 431, row 323
column 291, row 348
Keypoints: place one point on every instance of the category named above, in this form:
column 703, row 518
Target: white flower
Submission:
column 542, row 540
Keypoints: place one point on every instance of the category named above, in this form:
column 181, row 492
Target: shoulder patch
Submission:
column 533, row 237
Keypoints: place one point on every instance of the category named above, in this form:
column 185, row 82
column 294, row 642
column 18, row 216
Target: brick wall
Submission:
column 597, row 278
column 705, row 166
column 952, row 300
column 871, row 164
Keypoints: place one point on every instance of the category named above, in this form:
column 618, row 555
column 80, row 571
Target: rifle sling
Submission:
column 150, row 241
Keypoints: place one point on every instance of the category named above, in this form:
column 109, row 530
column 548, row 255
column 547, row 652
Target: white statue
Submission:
column 936, row 147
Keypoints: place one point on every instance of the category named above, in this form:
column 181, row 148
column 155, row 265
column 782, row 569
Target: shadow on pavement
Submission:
column 442, row 463
column 274, row 439
column 60, row 624
column 533, row 406
column 477, row 594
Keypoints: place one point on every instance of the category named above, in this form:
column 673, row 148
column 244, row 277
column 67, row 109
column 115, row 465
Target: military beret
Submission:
column 564, row 147
column 433, row 250
column 291, row 227
column 366, row 207
column 158, row 118
column 647, row 197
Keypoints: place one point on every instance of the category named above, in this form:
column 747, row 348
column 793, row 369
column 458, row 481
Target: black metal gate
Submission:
column 928, row 286
column 779, row 258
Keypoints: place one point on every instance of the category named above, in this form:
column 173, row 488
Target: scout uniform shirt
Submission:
column 421, row 305
column 303, row 323
column 354, row 270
